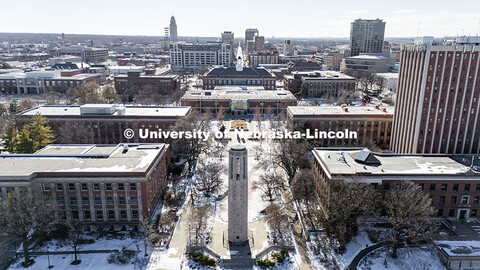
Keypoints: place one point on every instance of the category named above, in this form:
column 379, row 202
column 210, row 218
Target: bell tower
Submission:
column 238, row 195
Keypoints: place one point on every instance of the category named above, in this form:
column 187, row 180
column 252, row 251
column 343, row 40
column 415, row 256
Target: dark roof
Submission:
column 232, row 72
column 366, row 157
column 67, row 66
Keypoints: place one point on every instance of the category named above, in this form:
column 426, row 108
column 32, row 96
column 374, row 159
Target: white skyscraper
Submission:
column 173, row 30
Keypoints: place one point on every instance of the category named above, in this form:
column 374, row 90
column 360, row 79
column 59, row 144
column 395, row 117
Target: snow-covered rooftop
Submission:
column 121, row 158
column 332, row 110
column 342, row 162
column 460, row 248
column 155, row 111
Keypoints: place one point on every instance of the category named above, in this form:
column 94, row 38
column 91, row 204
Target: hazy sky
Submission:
column 280, row 18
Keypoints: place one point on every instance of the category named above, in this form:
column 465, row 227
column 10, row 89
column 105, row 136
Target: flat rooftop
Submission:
column 342, row 162
column 154, row 111
column 78, row 159
column 339, row 110
column 223, row 93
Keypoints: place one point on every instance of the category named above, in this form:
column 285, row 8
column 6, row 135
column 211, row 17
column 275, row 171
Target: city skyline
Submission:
column 309, row 19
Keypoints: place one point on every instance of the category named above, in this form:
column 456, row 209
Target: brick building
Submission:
column 104, row 123
column 262, row 58
column 91, row 183
column 452, row 181
column 246, row 76
column 438, row 99
column 372, row 124
column 323, row 84
column 133, row 82
column 239, row 101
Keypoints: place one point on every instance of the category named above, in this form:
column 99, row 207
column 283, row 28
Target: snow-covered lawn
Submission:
column 408, row 259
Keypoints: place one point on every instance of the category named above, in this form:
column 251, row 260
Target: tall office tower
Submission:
column 287, row 47
column 228, row 38
column 173, row 30
column 250, row 33
column 259, row 43
column 366, row 36
column 238, row 195
column 438, row 99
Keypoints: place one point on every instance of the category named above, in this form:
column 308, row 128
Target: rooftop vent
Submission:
column 367, row 158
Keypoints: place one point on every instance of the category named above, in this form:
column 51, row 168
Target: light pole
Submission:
column 48, row 258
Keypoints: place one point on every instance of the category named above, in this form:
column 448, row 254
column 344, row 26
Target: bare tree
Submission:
column 270, row 184
column 89, row 93
column 257, row 115
column 409, row 210
column 198, row 224
column 75, row 237
column 20, row 215
column 291, row 155
column 303, row 188
column 343, row 207
column 109, row 94
column 220, row 115
column 27, row 103
column 74, row 133
column 208, row 177
column 191, row 148
column 278, row 224
column 149, row 233
column 258, row 152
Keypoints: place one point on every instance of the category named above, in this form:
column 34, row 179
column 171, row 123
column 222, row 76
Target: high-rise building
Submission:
column 366, row 36
column 250, row 33
column 287, row 47
column 259, row 43
column 228, row 38
column 173, row 30
column 437, row 104
column 195, row 56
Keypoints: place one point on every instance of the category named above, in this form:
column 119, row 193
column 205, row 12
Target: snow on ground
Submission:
column 89, row 261
column 408, row 259
column 358, row 243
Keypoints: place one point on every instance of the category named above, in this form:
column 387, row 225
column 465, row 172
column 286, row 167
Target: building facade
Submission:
column 324, row 84
column 438, row 100
column 238, row 195
column 231, row 76
column 372, row 125
column 87, row 54
column 452, row 181
column 239, row 101
column 173, row 30
column 197, row 56
column 104, row 123
column 133, row 82
column 93, row 184
column 263, row 58
column 366, row 36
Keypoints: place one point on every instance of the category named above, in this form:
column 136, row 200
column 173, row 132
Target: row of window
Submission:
column 84, row 186
column 455, row 187
column 453, row 200
column 87, row 215
column 451, row 213
column 98, row 200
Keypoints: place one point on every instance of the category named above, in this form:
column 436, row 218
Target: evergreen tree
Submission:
column 34, row 136
column 9, row 139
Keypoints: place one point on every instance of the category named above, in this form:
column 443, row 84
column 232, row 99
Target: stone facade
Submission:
column 238, row 195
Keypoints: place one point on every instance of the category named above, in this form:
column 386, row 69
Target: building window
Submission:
column 475, row 200
column 473, row 213
column 85, row 200
column 109, row 200
column 60, row 200
column 455, row 187
column 133, row 200
column 467, row 187
column 386, row 186
column 477, row 188
column 432, row 187
column 123, row 214
column 87, row 215
column 442, row 200
column 59, row 187
column 453, row 200
column 71, row 187
column 422, row 186
column 121, row 186
column 440, row 212
column 135, row 214
column 121, row 200
column 96, row 186
column 84, row 186
column 464, row 199
column 111, row 214
column 73, row 200
column 108, row 186
column 98, row 200
column 99, row 215
column 75, row 214
column 451, row 212
column 46, row 186
column 444, row 187
column 133, row 186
